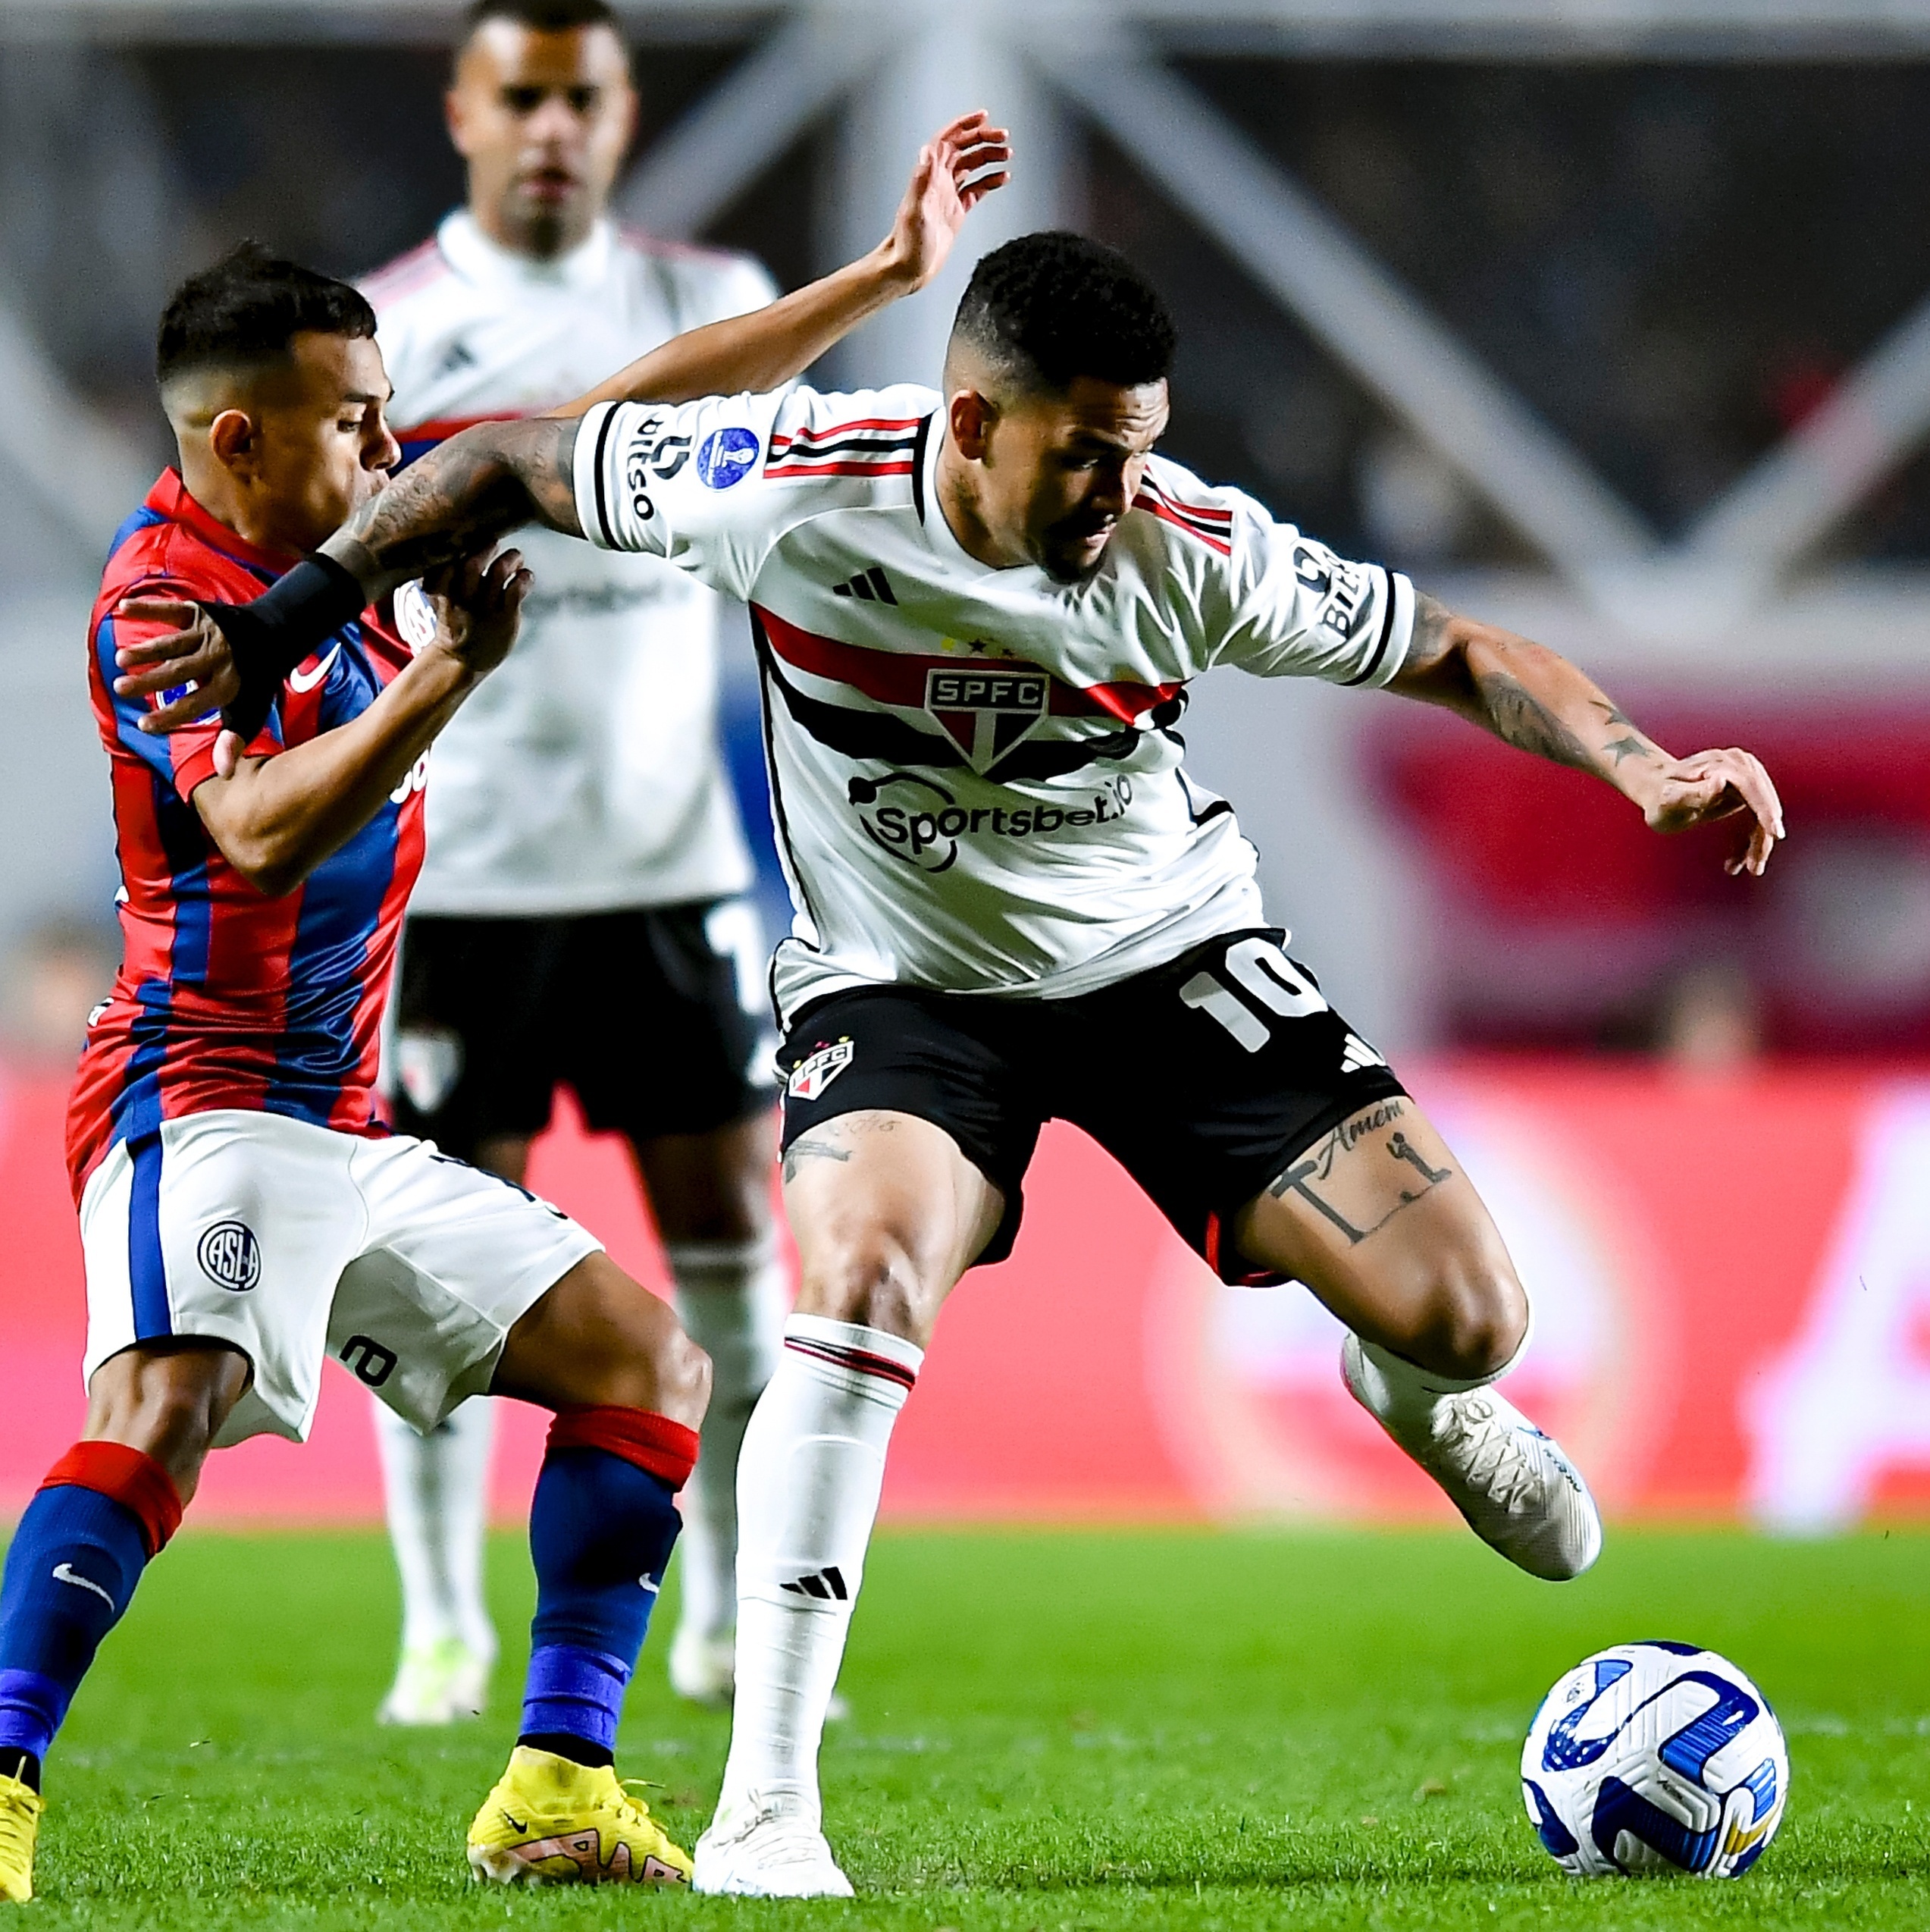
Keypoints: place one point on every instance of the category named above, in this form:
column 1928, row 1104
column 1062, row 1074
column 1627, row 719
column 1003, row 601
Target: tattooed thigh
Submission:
column 832, row 1141
column 1370, row 1168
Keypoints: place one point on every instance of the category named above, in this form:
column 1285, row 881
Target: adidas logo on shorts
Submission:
column 1356, row 1055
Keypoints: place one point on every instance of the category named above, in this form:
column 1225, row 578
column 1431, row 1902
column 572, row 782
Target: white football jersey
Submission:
column 975, row 775
column 585, row 775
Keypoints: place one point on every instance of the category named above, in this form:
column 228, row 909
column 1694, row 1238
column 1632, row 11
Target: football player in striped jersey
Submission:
column 246, row 1211
column 978, row 609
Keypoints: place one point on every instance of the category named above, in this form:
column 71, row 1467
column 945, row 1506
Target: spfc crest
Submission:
column 814, row 1073
column 985, row 709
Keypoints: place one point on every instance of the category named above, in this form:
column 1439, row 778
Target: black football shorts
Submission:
column 638, row 1012
column 1204, row 1078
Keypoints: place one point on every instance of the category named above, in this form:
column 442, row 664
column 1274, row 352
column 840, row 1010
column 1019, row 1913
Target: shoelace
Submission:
column 628, row 1800
column 1497, row 1464
column 17, row 1814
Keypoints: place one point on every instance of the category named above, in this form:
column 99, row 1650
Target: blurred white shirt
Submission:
column 585, row 775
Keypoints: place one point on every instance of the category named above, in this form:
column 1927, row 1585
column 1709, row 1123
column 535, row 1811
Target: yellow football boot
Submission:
column 552, row 1822
column 20, row 1806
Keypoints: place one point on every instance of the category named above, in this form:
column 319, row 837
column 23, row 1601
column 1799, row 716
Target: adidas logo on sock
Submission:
column 1356, row 1054
column 824, row 1584
column 873, row 586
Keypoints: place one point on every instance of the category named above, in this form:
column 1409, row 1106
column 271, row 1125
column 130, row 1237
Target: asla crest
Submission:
column 813, row 1074
column 986, row 708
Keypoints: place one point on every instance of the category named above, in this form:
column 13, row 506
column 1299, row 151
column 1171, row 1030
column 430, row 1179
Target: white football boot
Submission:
column 704, row 1666
column 768, row 1845
column 439, row 1683
column 1520, row 1494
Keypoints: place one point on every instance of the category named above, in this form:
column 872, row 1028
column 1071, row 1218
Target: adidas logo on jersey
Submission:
column 1356, row 1055
column 873, row 586
column 824, row 1584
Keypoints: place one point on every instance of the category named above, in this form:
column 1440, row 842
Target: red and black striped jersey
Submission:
column 226, row 998
column 977, row 780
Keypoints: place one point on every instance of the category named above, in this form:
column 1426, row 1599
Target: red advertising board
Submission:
column 1732, row 1281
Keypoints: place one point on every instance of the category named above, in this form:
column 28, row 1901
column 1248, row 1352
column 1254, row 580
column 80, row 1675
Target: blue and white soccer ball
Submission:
column 1655, row 1757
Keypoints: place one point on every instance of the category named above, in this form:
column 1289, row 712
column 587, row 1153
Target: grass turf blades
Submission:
column 1078, row 1730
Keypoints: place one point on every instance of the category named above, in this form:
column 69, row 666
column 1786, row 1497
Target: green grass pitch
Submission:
column 1050, row 1731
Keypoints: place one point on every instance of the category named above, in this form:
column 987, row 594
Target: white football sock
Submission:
column 809, row 1476
column 437, row 1487
column 1398, row 1391
column 732, row 1297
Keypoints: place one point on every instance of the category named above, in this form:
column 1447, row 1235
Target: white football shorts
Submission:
column 291, row 1242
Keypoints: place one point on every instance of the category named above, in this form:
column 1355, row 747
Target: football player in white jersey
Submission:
column 978, row 609
column 580, row 917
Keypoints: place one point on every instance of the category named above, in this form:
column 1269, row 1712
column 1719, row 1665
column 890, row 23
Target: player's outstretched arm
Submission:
column 496, row 478
column 276, row 819
column 1530, row 697
column 956, row 170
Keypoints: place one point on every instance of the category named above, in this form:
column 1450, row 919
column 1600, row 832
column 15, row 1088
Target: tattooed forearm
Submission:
column 1527, row 695
column 1518, row 717
column 1630, row 743
column 476, row 487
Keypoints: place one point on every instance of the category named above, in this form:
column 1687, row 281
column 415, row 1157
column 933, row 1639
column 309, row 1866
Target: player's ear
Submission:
column 235, row 440
column 627, row 106
column 971, row 416
column 452, row 118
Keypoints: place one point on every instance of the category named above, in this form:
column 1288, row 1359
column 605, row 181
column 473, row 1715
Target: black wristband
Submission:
column 270, row 636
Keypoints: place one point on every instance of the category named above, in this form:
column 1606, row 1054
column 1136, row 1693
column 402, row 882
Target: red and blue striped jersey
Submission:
column 227, row 998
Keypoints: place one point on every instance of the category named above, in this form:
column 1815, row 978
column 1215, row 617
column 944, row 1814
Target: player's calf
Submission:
column 104, row 1512
column 629, row 1389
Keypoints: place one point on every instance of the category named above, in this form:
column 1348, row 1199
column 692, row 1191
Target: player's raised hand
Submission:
column 478, row 604
column 1709, row 785
column 950, row 179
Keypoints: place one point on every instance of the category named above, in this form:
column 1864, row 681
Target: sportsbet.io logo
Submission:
column 918, row 821
column 230, row 1256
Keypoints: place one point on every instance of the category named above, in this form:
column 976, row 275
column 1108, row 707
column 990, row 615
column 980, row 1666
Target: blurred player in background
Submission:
column 580, row 918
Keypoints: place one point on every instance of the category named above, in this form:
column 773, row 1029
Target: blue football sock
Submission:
column 71, row 1571
column 601, row 1531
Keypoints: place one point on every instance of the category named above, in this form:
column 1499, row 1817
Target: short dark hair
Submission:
column 545, row 16
column 247, row 309
column 1051, row 307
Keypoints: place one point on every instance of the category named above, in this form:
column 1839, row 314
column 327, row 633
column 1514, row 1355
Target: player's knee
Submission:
column 683, row 1380
column 169, row 1404
column 659, row 1368
column 872, row 1280
column 1476, row 1318
column 174, row 1425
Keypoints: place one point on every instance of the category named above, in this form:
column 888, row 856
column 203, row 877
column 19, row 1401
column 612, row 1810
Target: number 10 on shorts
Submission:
column 1272, row 979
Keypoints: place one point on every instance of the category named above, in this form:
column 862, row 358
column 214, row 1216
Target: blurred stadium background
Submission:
column 1609, row 320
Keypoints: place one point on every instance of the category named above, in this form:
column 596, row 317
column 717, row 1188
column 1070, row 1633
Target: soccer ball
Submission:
column 1655, row 1757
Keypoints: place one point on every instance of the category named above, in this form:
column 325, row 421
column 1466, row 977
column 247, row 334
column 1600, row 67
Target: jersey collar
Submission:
column 170, row 498
column 584, row 270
